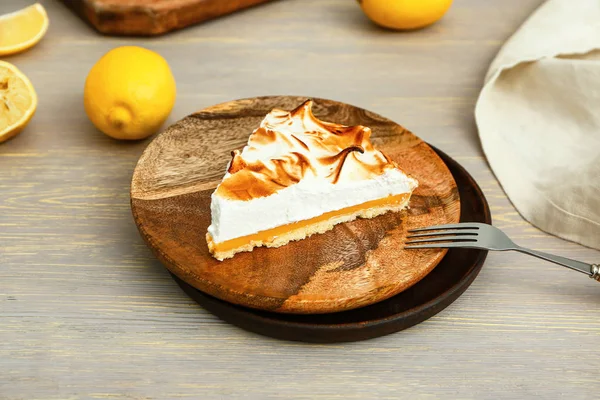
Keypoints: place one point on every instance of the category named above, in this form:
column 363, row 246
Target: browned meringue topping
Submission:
column 291, row 146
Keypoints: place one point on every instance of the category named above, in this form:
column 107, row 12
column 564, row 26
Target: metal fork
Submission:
column 473, row 235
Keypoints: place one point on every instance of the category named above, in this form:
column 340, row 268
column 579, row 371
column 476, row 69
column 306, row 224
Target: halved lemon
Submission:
column 18, row 101
column 22, row 29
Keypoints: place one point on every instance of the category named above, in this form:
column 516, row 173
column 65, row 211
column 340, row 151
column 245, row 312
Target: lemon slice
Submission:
column 18, row 101
column 22, row 29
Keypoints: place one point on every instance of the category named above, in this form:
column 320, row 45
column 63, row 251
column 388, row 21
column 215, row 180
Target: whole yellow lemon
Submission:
column 129, row 93
column 405, row 14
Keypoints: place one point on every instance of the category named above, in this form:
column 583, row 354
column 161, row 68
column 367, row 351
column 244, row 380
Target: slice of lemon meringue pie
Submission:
column 299, row 176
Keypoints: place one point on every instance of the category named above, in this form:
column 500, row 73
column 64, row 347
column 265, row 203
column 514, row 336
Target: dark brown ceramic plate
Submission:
column 436, row 291
column 356, row 264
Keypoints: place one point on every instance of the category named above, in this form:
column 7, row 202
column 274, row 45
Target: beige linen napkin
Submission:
column 539, row 119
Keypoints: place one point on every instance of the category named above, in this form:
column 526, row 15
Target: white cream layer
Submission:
column 309, row 198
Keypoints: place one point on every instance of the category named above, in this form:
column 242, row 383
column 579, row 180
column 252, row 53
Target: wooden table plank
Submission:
column 87, row 312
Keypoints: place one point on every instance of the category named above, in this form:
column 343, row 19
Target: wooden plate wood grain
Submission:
column 355, row 264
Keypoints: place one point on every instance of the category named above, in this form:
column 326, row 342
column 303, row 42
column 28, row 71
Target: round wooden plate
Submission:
column 436, row 291
column 355, row 264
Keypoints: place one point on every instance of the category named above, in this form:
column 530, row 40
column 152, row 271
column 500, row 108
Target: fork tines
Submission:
column 442, row 236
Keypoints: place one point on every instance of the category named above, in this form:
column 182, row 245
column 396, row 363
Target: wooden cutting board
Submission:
column 355, row 264
column 152, row 17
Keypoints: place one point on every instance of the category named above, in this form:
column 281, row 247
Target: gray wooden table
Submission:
column 87, row 312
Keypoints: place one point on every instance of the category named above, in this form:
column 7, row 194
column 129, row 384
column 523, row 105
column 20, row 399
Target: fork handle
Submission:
column 593, row 271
